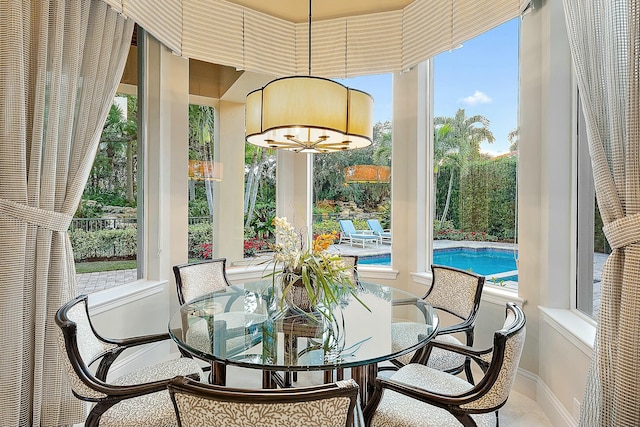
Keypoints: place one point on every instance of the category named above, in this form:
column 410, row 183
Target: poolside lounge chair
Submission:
column 349, row 232
column 384, row 235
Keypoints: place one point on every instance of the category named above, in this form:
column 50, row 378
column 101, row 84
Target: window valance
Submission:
column 226, row 33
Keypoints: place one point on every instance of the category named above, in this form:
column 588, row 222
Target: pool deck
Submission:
column 93, row 282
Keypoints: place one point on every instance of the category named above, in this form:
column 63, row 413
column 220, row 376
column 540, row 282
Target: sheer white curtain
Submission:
column 605, row 44
column 60, row 64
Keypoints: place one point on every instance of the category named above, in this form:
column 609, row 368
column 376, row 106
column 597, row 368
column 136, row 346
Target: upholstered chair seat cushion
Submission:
column 405, row 334
column 398, row 410
column 161, row 371
column 155, row 409
column 442, row 359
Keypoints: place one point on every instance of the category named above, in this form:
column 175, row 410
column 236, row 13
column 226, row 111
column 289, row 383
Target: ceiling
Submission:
column 298, row 10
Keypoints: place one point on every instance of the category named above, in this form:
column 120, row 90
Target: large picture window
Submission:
column 353, row 188
column 475, row 156
column 592, row 245
column 259, row 199
column 204, row 172
column 104, row 230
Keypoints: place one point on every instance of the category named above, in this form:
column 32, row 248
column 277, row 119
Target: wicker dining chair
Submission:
column 139, row 398
column 329, row 405
column 456, row 292
column 417, row 395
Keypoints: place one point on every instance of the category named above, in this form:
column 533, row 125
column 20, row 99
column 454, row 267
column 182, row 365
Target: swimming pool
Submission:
column 489, row 262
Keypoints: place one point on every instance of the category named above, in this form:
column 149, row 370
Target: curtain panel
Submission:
column 60, row 64
column 604, row 37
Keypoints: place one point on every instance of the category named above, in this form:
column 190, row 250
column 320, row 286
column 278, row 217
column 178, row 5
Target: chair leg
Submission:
column 287, row 379
column 467, row 371
column 218, row 375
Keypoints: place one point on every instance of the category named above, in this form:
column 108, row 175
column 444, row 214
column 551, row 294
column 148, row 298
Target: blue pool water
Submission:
column 484, row 261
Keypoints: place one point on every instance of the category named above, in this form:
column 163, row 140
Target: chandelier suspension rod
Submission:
column 309, row 37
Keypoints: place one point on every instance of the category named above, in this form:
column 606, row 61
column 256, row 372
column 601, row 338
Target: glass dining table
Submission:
column 249, row 325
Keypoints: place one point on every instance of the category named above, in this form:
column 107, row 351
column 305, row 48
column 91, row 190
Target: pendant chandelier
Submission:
column 308, row 114
column 373, row 174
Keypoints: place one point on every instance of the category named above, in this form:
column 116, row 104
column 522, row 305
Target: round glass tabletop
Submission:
column 249, row 325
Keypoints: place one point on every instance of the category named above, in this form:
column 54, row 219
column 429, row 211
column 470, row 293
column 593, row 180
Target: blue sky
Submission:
column 481, row 77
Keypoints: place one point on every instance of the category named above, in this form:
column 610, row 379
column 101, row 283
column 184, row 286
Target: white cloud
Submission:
column 477, row 98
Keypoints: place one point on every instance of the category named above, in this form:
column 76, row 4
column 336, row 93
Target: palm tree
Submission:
column 261, row 162
column 514, row 138
column 462, row 142
column 443, row 153
column 382, row 138
column 201, row 123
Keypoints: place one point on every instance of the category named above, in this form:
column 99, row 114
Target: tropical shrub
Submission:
column 326, row 226
column 254, row 245
column 457, row 235
column 89, row 209
column 200, row 235
column 442, row 225
column 204, row 251
column 483, row 196
column 104, row 244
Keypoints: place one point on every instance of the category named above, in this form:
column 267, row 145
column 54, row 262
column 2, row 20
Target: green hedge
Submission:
column 123, row 243
column 115, row 243
column 200, row 235
column 487, row 198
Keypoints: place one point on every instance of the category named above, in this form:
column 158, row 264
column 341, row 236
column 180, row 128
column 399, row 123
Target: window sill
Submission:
column 578, row 330
column 109, row 299
column 423, row 278
column 385, row 273
column 501, row 296
column 490, row 293
column 247, row 273
column 254, row 272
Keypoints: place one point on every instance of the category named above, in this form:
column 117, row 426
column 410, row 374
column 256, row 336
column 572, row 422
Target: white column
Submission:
column 294, row 190
column 228, row 217
column 165, row 183
column 407, row 178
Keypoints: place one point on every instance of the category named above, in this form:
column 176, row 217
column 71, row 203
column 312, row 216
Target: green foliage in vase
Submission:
column 323, row 274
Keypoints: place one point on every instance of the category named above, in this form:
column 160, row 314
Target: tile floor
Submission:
column 519, row 411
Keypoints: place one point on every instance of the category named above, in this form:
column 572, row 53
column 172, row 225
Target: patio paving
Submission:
column 100, row 280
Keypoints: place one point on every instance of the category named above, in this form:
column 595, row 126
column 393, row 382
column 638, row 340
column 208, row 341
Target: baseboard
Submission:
column 555, row 411
column 142, row 357
column 530, row 385
column 526, row 383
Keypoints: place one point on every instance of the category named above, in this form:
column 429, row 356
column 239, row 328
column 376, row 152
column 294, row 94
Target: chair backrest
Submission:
column 508, row 343
column 347, row 227
column 198, row 404
column 196, row 279
column 81, row 345
column 351, row 267
column 375, row 226
column 455, row 291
